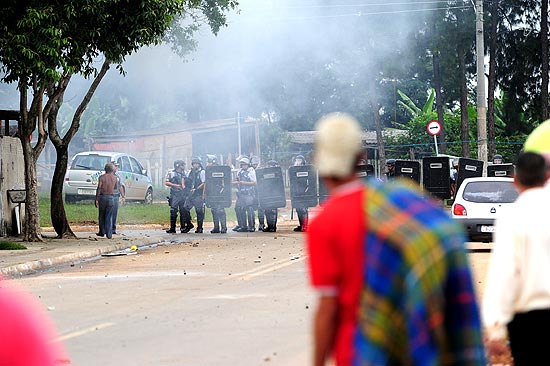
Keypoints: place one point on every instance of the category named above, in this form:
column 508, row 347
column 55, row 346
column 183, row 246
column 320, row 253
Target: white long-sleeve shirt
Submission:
column 518, row 278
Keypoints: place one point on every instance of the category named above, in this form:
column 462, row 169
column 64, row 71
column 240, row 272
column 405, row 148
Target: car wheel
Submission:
column 148, row 197
column 70, row 198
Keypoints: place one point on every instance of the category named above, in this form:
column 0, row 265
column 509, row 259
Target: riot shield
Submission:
column 468, row 168
column 408, row 169
column 218, row 186
column 436, row 176
column 323, row 192
column 501, row 170
column 365, row 171
column 303, row 186
column 271, row 188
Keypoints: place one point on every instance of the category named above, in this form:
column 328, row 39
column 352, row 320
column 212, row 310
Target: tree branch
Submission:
column 75, row 124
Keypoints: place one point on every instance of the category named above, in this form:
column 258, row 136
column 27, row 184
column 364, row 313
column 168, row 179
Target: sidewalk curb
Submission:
column 22, row 269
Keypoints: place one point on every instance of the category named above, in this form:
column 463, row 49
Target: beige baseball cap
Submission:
column 337, row 145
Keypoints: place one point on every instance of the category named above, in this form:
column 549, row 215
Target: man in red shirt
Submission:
column 394, row 288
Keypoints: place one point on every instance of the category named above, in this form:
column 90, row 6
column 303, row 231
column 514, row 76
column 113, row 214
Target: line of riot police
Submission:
column 261, row 189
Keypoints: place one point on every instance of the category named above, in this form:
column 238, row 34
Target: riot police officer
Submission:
column 303, row 211
column 497, row 159
column 270, row 213
column 255, row 162
column 244, row 207
column 219, row 216
column 390, row 166
column 175, row 180
column 196, row 178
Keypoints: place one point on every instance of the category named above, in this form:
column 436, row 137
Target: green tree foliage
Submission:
column 43, row 43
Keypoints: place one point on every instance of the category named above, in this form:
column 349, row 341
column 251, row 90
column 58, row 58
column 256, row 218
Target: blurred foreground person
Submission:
column 27, row 336
column 395, row 287
column 516, row 300
column 105, row 200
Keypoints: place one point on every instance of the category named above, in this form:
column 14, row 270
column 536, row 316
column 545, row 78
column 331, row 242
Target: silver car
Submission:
column 86, row 167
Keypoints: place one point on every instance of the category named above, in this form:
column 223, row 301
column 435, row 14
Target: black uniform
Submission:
column 246, row 194
column 219, row 217
column 390, row 174
column 177, row 202
column 195, row 178
column 261, row 211
column 302, row 212
column 270, row 213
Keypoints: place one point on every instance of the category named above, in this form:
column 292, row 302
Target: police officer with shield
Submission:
column 255, row 162
column 390, row 166
column 175, row 180
column 302, row 212
column 246, row 192
column 271, row 213
column 219, row 216
column 196, row 178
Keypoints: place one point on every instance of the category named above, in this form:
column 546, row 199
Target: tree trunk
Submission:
column 57, row 210
column 32, row 213
column 491, row 133
column 464, row 105
column 544, row 54
column 439, row 101
column 28, row 121
column 57, row 213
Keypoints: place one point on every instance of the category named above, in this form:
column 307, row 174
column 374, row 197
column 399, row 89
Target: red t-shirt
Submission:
column 336, row 258
column 26, row 333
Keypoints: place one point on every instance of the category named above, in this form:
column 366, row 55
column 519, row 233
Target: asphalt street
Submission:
column 238, row 300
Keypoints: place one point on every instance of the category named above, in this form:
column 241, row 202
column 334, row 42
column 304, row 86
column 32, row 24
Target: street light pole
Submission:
column 481, row 98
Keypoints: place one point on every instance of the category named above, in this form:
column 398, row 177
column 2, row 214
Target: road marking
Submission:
column 248, row 275
column 234, row 297
column 83, row 331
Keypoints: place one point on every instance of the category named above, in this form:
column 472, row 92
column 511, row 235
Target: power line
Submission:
column 365, row 5
column 360, row 14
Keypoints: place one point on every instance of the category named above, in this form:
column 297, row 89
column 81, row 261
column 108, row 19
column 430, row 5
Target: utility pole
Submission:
column 481, row 98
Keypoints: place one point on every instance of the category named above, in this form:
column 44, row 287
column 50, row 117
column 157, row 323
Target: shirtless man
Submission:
column 105, row 200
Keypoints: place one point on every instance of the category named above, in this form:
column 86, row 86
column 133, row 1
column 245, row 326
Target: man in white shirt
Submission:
column 516, row 301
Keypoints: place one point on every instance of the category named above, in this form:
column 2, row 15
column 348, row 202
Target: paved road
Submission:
column 242, row 300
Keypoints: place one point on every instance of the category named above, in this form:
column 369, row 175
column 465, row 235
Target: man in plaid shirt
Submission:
column 395, row 287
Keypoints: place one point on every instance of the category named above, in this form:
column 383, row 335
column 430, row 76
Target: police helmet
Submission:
column 272, row 163
column 255, row 160
column 390, row 162
column 196, row 159
column 211, row 159
column 299, row 160
column 178, row 164
column 497, row 159
column 244, row 160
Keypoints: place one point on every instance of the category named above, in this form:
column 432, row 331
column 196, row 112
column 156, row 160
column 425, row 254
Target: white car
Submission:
column 479, row 201
column 86, row 167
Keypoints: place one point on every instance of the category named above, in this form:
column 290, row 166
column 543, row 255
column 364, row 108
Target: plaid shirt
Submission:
column 417, row 306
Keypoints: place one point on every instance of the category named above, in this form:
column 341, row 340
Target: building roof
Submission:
column 368, row 137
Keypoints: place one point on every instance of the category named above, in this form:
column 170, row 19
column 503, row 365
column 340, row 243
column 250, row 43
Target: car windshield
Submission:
column 490, row 192
column 90, row 162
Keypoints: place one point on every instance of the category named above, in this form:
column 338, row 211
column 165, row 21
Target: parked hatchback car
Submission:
column 479, row 201
column 86, row 167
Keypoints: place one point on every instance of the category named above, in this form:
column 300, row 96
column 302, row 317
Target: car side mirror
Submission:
column 144, row 171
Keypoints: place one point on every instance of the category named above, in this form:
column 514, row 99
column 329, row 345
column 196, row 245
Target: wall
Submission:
column 12, row 176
